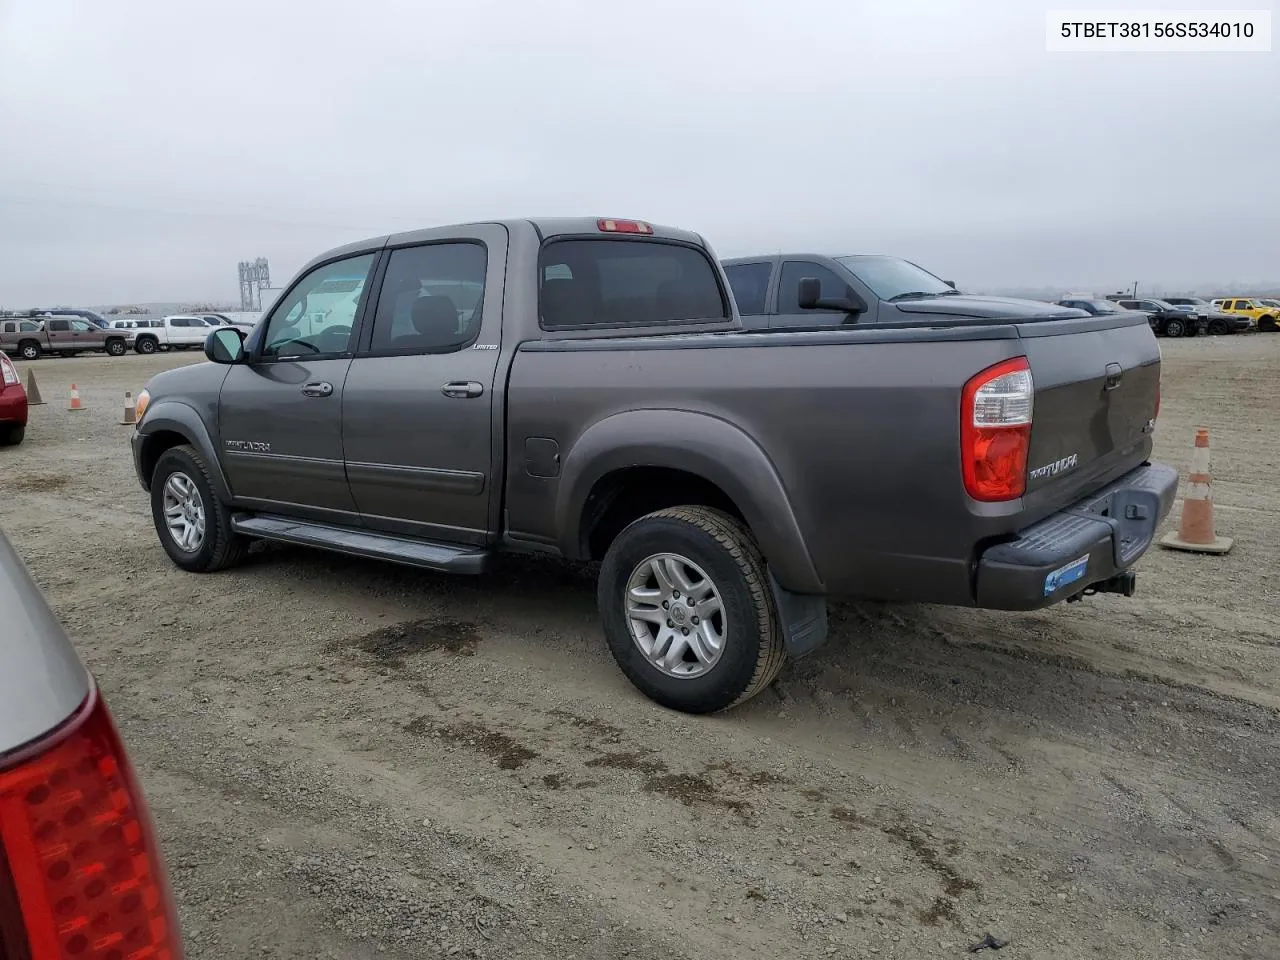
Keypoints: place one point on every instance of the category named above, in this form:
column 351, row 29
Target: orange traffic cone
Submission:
column 33, row 391
column 75, row 403
column 1195, row 530
column 128, row 419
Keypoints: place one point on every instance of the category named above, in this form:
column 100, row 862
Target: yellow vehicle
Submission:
column 1264, row 315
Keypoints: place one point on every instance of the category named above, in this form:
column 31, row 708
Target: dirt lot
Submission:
column 350, row 759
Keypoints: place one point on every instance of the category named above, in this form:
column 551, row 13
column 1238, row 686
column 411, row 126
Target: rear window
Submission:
column 626, row 283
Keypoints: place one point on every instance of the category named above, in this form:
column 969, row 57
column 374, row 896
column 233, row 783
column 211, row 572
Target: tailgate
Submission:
column 1097, row 384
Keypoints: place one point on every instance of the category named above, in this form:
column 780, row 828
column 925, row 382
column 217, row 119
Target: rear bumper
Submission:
column 13, row 405
column 1090, row 542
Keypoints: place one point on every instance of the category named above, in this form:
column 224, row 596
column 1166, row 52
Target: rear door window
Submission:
column 626, row 283
column 431, row 299
column 750, row 285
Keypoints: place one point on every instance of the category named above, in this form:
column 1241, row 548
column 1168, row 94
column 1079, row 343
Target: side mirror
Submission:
column 810, row 292
column 950, row 283
column 811, row 298
column 225, row 345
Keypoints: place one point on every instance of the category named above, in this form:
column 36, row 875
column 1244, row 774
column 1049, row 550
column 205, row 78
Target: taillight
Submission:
column 86, row 877
column 8, row 371
column 623, row 226
column 995, row 431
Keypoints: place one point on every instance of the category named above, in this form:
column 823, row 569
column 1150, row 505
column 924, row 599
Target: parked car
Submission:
column 1092, row 306
column 603, row 402
column 1215, row 320
column 1165, row 319
column 864, row 289
column 65, row 336
column 81, row 873
column 222, row 320
column 1264, row 316
column 13, row 406
column 178, row 332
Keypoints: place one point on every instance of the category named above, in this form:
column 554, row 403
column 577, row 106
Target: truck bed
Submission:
column 860, row 425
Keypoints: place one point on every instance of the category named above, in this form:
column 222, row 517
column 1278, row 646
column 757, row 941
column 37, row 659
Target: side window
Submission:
column 60, row 326
column 317, row 315
column 793, row 271
column 431, row 299
column 1244, row 304
column 30, row 327
column 750, row 285
column 626, row 283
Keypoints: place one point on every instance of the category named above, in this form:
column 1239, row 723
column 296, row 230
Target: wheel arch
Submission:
column 634, row 462
column 168, row 424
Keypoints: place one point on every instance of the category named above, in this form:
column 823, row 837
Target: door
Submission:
column 280, row 411
column 61, row 336
column 788, row 312
column 418, row 407
column 186, row 331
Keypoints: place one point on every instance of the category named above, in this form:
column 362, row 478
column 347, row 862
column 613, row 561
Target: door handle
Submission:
column 462, row 389
column 318, row 389
column 1114, row 373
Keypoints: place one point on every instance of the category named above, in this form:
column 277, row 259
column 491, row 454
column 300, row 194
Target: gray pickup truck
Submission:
column 585, row 389
column 30, row 338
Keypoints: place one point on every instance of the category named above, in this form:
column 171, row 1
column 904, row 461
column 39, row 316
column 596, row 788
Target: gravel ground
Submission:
column 352, row 759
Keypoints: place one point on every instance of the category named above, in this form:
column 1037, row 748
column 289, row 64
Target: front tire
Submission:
column 115, row 348
column 1218, row 327
column 685, row 603
column 1267, row 324
column 194, row 526
column 1175, row 328
column 12, row 436
column 29, row 350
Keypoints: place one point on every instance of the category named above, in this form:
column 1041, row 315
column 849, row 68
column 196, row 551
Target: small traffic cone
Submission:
column 75, row 403
column 1195, row 529
column 33, row 391
column 129, row 419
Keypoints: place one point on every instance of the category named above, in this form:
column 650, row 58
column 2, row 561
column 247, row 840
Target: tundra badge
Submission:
column 1055, row 468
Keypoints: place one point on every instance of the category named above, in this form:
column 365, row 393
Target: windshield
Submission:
column 889, row 277
column 1104, row 306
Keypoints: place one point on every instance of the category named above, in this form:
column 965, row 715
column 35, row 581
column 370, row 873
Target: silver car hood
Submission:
column 42, row 680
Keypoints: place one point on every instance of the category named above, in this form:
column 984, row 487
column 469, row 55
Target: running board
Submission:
column 445, row 557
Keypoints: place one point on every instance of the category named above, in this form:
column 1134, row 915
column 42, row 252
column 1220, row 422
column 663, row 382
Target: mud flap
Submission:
column 802, row 617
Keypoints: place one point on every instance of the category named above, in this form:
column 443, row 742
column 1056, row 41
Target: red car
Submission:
column 13, row 404
column 81, row 876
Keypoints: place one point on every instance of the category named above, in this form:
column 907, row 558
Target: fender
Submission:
column 697, row 443
column 176, row 417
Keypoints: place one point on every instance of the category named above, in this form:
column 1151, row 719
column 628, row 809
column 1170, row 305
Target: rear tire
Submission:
column 715, row 556
column 1267, row 324
column 182, row 493
column 146, row 345
column 12, row 436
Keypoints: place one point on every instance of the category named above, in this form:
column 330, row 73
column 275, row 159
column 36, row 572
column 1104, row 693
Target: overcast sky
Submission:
column 147, row 146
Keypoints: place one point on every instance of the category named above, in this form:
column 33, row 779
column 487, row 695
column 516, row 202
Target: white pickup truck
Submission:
column 178, row 332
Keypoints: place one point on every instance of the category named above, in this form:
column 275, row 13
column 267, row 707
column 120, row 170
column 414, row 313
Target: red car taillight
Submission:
column 85, row 875
column 8, row 372
column 995, row 431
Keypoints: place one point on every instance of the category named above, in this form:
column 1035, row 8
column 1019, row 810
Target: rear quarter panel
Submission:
column 860, row 427
column 41, row 678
